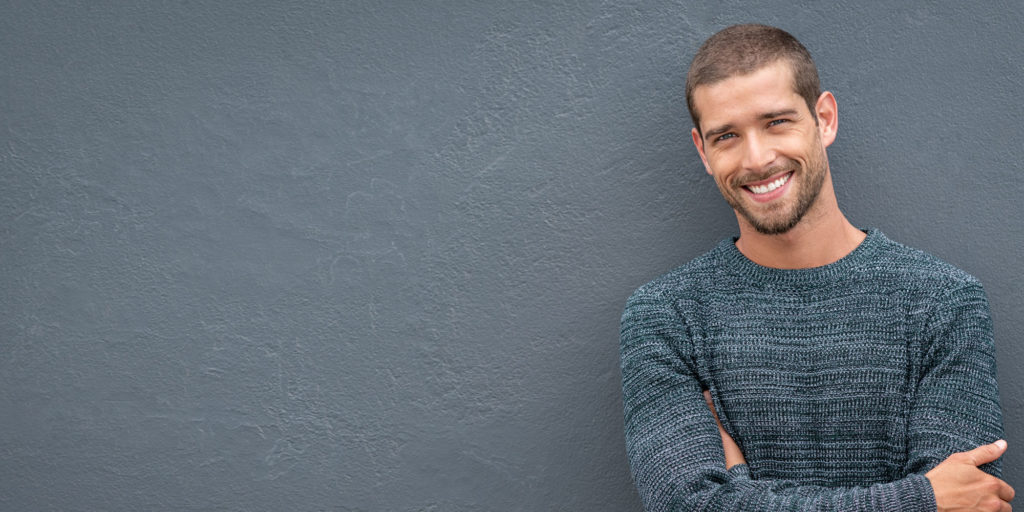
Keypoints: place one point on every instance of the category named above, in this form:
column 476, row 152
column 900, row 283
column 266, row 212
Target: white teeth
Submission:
column 764, row 189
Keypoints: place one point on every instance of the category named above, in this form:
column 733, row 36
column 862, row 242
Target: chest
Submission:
column 822, row 343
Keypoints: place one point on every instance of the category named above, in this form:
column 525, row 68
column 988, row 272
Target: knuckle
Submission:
column 991, row 503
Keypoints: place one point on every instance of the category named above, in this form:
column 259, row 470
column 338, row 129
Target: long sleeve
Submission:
column 673, row 445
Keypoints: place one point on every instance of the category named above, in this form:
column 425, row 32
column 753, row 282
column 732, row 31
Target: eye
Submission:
column 724, row 137
column 776, row 122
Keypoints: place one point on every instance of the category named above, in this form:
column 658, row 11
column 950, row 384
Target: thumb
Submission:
column 986, row 453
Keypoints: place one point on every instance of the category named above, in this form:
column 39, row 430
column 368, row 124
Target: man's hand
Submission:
column 733, row 455
column 960, row 485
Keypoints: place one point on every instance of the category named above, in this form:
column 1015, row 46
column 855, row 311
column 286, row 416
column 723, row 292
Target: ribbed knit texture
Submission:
column 842, row 384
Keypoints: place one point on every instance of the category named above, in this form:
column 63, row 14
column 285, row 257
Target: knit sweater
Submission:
column 842, row 385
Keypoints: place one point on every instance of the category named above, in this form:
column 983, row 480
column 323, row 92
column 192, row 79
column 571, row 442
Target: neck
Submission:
column 822, row 236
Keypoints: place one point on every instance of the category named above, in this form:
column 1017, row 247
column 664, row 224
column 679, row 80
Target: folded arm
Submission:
column 957, row 481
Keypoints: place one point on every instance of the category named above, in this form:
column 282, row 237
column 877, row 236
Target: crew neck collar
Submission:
column 736, row 262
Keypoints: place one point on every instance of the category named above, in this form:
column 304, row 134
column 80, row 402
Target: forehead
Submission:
column 743, row 97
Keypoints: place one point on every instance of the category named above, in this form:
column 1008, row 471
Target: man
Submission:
column 848, row 372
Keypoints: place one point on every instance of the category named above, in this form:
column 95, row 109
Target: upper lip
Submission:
column 766, row 180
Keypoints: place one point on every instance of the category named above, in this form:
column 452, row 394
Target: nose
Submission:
column 758, row 153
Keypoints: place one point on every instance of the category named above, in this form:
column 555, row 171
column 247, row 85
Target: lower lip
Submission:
column 770, row 196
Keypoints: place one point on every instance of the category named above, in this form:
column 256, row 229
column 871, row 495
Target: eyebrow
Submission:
column 767, row 115
column 708, row 135
column 779, row 113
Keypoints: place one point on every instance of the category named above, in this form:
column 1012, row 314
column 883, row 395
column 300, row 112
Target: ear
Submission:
column 699, row 143
column 828, row 117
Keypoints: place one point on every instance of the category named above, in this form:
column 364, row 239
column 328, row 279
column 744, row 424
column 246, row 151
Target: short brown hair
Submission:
column 743, row 49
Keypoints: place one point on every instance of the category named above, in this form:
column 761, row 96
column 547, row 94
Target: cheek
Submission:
column 723, row 168
column 802, row 150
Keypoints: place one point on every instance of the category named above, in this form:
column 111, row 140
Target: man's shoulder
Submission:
column 685, row 279
column 915, row 267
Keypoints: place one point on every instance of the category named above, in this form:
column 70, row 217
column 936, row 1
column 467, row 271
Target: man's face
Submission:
column 762, row 146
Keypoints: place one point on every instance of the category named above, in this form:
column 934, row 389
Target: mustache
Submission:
column 767, row 173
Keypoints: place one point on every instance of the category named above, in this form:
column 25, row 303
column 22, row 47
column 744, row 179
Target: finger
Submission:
column 985, row 453
column 1005, row 492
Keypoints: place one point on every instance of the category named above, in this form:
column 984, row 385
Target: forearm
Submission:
column 703, row 483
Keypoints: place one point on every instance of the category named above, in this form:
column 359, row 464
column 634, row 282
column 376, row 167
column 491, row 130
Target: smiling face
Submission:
column 764, row 148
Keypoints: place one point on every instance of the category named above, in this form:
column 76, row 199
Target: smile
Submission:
column 765, row 188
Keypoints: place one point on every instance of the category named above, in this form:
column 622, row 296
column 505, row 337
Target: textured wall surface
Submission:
column 371, row 256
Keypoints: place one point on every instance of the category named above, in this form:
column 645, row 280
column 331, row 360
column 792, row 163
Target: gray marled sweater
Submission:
column 841, row 384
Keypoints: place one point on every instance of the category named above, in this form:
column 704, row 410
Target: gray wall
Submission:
column 371, row 256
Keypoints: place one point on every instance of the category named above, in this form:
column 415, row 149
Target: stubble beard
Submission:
column 780, row 218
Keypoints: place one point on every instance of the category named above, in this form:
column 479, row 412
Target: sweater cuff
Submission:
column 739, row 471
column 913, row 493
